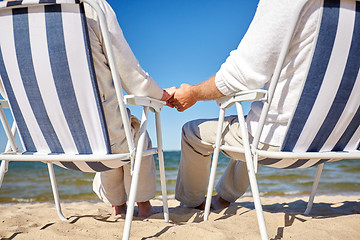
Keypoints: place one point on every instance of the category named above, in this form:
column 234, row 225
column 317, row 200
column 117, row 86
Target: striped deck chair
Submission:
column 47, row 71
column 325, row 124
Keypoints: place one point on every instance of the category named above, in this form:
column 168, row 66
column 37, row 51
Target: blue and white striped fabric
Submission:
column 327, row 117
column 47, row 70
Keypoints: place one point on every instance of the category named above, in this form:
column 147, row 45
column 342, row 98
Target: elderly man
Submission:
column 250, row 66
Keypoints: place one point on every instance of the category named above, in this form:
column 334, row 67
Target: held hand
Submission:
column 183, row 98
column 168, row 93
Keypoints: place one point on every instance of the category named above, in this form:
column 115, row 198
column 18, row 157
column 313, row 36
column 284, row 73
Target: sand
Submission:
column 332, row 217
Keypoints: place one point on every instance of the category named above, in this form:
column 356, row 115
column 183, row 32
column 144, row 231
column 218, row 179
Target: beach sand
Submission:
column 332, row 217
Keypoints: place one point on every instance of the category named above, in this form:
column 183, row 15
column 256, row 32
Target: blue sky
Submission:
column 181, row 42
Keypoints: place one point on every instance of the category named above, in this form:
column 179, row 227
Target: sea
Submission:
column 29, row 181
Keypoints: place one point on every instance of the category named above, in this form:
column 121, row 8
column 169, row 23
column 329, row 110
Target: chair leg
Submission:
column 10, row 132
column 161, row 166
column 135, row 177
column 251, row 173
column 3, row 170
column 214, row 164
column 55, row 192
column 314, row 187
column 257, row 202
column 11, row 145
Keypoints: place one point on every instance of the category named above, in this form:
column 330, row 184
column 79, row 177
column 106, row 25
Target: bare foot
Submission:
column 201, row 206
column 118, row 210
column 218, row 203
column 145, row 209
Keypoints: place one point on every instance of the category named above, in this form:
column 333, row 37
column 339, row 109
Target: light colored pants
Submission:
column 113, row 186
column 197, row 141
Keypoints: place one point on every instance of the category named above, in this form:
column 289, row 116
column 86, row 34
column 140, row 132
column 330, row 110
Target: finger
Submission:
column 175, row 102
column 172, row 100
column 180, row 108
column 170, row 104
column 172, row 97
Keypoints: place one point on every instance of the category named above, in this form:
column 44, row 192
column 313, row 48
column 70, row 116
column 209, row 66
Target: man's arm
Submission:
column 187, row 95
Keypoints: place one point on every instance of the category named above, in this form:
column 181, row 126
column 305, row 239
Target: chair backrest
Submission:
column 327, row 116
column 47, row 70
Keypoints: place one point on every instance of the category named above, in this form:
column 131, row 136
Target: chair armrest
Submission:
column 4, row 104
column 155, row 105
column 243, row 96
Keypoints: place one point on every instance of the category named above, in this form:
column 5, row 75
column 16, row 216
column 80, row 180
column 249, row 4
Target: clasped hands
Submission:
column 180, row 98
column 187, row 95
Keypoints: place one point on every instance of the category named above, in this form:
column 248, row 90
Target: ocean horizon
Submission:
column 29, row 181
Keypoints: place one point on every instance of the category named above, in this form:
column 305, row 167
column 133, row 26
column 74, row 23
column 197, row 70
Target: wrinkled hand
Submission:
column 183, row 98
column 168, row 94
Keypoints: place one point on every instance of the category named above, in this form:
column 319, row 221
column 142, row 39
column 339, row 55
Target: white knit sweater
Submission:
column 134, row 79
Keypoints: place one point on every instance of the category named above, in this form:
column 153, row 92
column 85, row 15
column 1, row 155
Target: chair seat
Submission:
column 288, row 160
column 79, row 162
column 288, row 163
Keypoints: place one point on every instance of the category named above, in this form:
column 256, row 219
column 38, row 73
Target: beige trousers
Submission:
column 113, row 186
column 197, row 141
